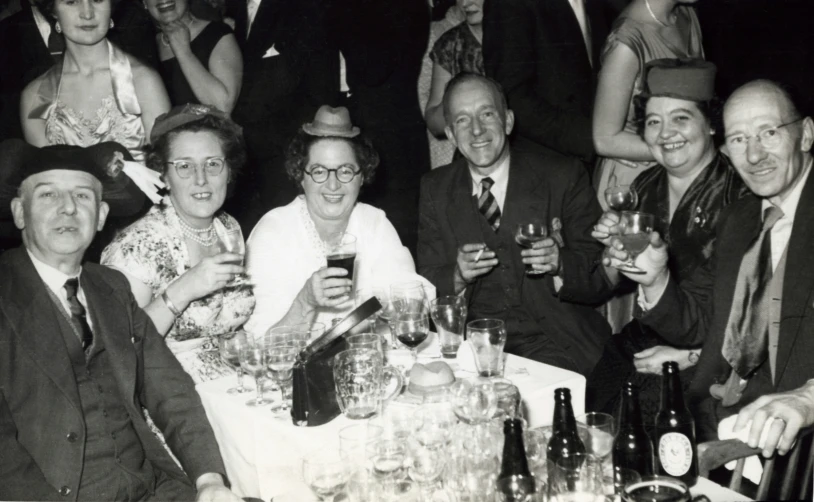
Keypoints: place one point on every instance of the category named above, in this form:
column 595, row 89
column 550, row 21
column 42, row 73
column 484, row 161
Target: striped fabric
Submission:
column 488, row 205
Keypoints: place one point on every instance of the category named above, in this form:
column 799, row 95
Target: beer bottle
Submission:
column 632, row 448
column 676, row 448
column 515, row 482
column 565, row 440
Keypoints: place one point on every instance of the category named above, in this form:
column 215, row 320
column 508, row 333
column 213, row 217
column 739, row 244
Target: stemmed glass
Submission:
column 621, row 198
column 635, row 229
column 527, row 233
column 601, row 433
column 229, row 346
column 388, row 462
column 326, row 472
column 385, row 315
column 408, row 296
column 253, row 360
column 411, row 329
column 577, row 477
column 281, row 358
column 433, row 424
column 232, row 242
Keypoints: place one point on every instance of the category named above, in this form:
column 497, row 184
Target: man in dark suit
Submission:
column 79, row 360
column 545, row 54
column 750, row 304
column 466, row 244
column 289, row 71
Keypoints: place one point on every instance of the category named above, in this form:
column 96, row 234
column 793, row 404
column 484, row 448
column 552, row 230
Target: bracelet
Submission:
column 170, row 305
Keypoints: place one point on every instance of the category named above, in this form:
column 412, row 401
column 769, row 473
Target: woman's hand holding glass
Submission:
column 211, row 274
column 327, row 287
column 606, row 227
column 652, row 261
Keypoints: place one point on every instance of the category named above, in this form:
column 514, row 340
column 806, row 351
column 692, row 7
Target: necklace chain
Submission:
column 204, row 236
column 653, row 15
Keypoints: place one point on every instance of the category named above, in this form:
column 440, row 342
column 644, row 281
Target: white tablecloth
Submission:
column 263, row 454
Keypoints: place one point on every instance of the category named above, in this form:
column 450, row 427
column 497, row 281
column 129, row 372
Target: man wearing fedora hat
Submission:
column 78, row 359
column 466, row 237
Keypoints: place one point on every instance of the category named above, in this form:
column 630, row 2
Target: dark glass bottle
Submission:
column 632, row 448
column 676, row 447
column 515, row 482
column 565, row 439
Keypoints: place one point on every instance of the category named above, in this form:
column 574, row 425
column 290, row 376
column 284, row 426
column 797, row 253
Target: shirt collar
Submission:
column 789, row 206
column 500, row 176
column 52, row 277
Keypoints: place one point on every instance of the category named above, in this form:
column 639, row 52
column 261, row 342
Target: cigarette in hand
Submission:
column 480, row 253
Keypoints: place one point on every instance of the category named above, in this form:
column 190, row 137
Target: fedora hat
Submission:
column 104, row 161
column 690, row 79
column 330, row 121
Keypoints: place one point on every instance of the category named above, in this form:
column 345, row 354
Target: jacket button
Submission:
column 64, row 491
column 71, row 437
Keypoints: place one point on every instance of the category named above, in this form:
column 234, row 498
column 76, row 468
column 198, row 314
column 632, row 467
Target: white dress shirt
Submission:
column 500, row 177
column 55, row 280
column 781, row 231
column 251, row 7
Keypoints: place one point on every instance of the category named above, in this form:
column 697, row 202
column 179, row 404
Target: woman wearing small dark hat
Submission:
column 183, row 258
column 330, row 160
column 679, row 120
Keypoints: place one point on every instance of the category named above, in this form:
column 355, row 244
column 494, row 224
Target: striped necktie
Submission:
column 78, row 313
column 746, row 334
column 487, row 204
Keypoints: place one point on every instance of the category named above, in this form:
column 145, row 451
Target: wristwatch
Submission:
column 693, row 356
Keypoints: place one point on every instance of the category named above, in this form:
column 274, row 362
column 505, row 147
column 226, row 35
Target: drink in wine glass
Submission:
column 253, row 359
column 601, row 434
column 232, row 242
column 526, row 234
column 621, row 198
column 412, row 329
column 229, row 345
column 281, row 358
column 635, row 229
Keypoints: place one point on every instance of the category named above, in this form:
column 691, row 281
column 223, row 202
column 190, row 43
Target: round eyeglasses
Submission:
column 344, row 174
column 768, row 138
column 213, row 166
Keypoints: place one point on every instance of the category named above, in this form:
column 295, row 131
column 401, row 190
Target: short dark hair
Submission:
column 465, row 77
column 296, row 158
column 712, row 110
column 47, row 7
column 229, row 134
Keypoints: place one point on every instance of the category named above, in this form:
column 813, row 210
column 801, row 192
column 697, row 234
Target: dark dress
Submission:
column 458, row 50
column 202, row 46
column 691, row 238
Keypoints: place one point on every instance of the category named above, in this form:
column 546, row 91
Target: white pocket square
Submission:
column 271, row 52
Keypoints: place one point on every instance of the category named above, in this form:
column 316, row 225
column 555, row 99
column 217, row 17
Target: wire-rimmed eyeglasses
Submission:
column 768, row 138
column 344, row 174
column 213, row 166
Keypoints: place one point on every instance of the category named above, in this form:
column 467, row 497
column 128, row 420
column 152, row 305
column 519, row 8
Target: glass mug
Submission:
column 364, row 383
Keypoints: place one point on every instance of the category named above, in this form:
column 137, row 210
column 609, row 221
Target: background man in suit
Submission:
column 751, row 304
column 288, row 73
column 546, row 57
column 467, row 215
column 78, row 357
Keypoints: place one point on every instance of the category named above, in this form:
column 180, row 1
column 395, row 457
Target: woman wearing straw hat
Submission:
column 330, row 160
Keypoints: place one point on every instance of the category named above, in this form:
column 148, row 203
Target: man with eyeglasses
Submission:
column 751, row 304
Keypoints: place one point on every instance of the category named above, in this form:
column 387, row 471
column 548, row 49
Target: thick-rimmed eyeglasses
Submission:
column 213, row 166
column 768, row 138
column 344, row 174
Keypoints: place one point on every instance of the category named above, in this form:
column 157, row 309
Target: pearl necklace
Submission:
column 653, row 15
column 206, row 237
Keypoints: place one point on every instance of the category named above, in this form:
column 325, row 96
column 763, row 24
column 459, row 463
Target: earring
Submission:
column 58, row 27
column 112, row 24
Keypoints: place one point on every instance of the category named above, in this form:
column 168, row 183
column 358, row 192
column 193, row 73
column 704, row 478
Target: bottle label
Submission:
column 675, row 453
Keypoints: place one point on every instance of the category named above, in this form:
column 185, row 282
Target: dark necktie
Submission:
column 78, row 313
column 56, row 44
column 746, row 336
column 487, row 204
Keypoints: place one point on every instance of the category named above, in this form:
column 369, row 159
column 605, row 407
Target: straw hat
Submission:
column 330, row 121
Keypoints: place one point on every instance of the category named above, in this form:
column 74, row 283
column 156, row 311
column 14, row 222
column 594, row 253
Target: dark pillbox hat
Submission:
column 689, row 79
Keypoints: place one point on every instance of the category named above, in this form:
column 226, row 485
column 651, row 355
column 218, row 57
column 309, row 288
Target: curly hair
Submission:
column 231, row 141
column 712, row 110
column 296, row 158
column 47, row 7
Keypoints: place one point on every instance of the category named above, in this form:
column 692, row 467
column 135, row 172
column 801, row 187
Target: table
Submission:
column 263, row 453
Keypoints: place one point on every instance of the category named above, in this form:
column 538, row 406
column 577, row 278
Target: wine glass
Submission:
column 577, row 477
column 527, row 233
column 601, row 433
column 232, row 242
column 635, row 229
column 253, row 360
column 387, row 459
column 229, row 345
column 411, row 329
column 621, row 198
column 408, row 296
column 326, row 472
column 281, row 358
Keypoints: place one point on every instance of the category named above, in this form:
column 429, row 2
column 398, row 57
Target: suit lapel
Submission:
column 33, row 317
column 462, row 212
column 31, row 39
column 571, row 30
column 799, row 281
column 112, row 329
column 261, row 34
